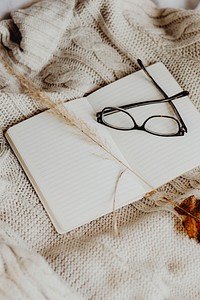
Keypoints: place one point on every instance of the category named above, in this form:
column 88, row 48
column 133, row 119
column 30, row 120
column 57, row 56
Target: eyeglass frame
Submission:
column 181, row 125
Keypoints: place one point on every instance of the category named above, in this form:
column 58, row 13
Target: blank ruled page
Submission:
column 74, row 178
column 157, row 159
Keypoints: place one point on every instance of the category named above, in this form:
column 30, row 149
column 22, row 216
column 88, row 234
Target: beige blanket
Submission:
column 69, row 49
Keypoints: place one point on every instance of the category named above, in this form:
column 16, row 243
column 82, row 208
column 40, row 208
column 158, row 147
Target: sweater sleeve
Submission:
column 37, row 31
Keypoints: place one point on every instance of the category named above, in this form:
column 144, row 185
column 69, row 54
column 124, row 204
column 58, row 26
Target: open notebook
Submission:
column 76, row 179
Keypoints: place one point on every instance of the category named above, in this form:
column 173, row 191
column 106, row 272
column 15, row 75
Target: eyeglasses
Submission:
column 161, row 125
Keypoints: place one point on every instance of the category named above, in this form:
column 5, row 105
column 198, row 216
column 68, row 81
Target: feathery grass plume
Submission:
column 71, row 119
column 68, row 116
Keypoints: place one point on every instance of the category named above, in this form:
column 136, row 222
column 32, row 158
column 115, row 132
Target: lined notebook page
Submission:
column 74, row 178
column 157, row 159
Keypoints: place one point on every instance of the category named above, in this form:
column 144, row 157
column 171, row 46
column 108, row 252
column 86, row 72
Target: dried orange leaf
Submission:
column 189, row 209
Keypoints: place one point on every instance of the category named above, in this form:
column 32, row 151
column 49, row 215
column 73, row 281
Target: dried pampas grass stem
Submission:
column 71, row 119
column 61, row 111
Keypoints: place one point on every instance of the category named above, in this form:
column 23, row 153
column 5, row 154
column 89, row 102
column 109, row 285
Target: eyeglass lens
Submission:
column 119, row 120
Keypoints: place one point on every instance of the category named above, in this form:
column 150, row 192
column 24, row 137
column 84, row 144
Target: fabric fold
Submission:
column 40, row 31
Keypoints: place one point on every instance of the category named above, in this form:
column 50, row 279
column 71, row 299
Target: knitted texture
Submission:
column 69, row 49
column 26, row 275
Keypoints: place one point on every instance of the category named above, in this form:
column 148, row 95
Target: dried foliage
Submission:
column 189, row 210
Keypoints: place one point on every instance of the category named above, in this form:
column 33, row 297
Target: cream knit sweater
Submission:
column 68, row 49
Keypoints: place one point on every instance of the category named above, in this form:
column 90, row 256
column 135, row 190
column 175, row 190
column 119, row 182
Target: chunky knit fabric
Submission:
column 69, row 49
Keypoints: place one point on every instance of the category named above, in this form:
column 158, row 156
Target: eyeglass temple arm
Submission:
column 174, row 97
column 164, row 94
column 142, row 103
